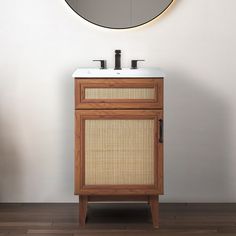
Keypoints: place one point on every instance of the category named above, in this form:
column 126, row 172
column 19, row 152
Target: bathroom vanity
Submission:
column 118, row 137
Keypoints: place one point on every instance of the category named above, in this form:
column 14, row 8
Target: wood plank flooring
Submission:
column 117, row 219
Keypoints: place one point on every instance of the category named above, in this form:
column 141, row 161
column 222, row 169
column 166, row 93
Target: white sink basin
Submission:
column 125, row 72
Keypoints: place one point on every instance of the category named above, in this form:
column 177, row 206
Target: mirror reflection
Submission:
column 119, row 14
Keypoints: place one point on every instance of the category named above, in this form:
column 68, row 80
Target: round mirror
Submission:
column 119, row 14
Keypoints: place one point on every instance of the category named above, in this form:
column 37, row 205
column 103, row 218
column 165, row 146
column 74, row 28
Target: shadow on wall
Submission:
column 67, row 141
column 10, row 168
column 196, row 141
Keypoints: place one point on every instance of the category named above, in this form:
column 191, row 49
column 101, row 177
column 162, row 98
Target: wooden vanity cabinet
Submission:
column 118, row 141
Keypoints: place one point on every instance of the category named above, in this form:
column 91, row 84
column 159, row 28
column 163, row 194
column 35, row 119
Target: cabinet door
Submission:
column 118, row 152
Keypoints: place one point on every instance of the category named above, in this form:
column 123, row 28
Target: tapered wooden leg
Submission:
column 83, row 204
column 154, row 204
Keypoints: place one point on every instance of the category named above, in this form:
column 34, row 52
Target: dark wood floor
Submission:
column 117, row 219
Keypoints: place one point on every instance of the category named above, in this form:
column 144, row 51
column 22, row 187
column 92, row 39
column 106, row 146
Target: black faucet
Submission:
column 117, row 60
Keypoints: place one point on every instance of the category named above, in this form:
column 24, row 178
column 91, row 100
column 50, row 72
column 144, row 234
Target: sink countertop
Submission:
column 125, row 72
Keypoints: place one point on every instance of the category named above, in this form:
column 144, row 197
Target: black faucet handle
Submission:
column 103, row 64
column 134, row 64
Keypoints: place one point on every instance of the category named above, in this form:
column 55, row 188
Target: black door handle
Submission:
column 161, row 131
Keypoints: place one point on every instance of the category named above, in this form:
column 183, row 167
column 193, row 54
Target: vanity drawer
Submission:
column 118, row 93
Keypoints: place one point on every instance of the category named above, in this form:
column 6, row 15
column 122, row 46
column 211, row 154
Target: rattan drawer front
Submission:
column 118, row 93
column 119, row 152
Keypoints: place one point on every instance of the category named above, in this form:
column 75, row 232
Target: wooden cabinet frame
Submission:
column 81, row 188
column 118, row 108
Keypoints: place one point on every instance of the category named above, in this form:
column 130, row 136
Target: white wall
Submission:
column 42, row 42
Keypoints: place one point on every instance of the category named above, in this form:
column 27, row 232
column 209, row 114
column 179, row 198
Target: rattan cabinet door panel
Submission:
column 118, row 152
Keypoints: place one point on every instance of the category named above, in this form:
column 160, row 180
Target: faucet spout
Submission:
column 117, row 60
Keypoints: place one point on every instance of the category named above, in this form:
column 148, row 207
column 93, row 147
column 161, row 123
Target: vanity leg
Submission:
column 83, row 204
column 154, row 204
